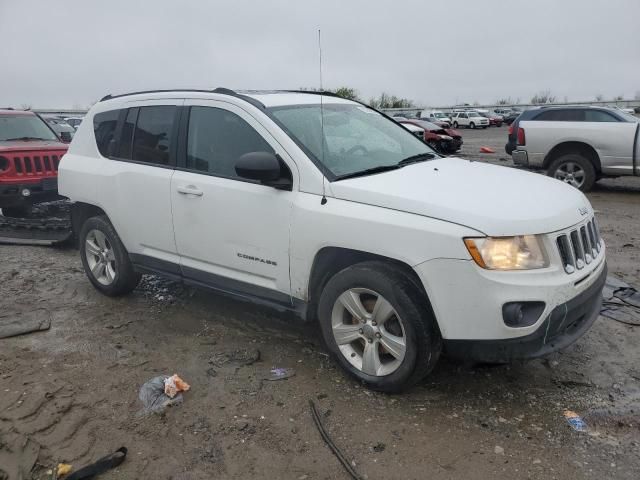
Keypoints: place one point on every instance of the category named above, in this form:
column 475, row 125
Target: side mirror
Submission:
column 266, row 168
column 65, row 137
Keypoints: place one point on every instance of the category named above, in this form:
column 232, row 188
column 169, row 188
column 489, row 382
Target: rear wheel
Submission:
column 574, row 169
column 105, row 260
column 379, row 327
column 455, row 125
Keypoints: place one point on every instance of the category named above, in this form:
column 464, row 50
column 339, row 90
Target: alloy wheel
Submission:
column 368, row 331
column 571, row 173
column 100, row 257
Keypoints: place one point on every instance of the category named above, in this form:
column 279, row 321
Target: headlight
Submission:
column 445, row 137
column 524, row 252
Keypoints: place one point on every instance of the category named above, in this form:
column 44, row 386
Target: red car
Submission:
column 30, row 152
column 494, row 120
column 443, row 140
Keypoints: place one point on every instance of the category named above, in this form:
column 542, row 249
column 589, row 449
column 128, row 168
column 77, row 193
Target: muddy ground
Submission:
column 71, row 393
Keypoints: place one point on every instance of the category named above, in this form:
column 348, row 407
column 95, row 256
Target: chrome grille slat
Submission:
column 579, row 246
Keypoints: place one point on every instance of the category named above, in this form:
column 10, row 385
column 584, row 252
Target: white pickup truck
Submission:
column 578, row 145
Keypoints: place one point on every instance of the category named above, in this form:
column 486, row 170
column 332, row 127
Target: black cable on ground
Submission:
column 100, row 466
column 325, row 436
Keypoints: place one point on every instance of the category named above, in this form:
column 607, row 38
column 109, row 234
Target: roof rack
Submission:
column 219, row 90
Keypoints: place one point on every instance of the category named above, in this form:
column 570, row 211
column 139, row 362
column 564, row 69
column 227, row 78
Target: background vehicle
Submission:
column 63, row 130
column 73, row 121
column 510, row 117
column 578, row 145
column 435, row 116
column 469, row 119
column 495, row 120
column 442, row 140
column 30, row 153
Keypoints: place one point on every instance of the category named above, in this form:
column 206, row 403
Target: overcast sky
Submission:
column 68, row 54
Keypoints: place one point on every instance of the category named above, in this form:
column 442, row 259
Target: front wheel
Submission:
column 379, row 326
column 104, row 258
column 574, row 169
column 472, row 125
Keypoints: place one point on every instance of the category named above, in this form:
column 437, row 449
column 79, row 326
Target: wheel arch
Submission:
column 573, row 147
column 81, row 212
column 330, row 260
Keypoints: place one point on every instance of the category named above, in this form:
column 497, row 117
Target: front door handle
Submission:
column 190, row 190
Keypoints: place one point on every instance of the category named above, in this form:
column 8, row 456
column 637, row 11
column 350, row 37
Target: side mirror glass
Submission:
column 65, row 137
column 265, row 167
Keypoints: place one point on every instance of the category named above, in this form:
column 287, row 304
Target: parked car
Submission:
column 61, row 127
column 469, row 119
column 578, row 145
column 73, row 121
column 442, row 140
column 324, row 207
column 628, row 111
column 510, row 117
column 30, row 152
column 435, row 116
column 495, row 120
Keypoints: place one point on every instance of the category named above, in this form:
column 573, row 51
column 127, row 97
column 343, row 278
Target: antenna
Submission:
column 324, row 197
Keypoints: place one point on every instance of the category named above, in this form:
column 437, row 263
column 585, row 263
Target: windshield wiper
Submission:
column 369, row 171
column 421, row 157
column 25, row 138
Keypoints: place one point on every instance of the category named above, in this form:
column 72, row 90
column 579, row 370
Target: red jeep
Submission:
column 30, row 152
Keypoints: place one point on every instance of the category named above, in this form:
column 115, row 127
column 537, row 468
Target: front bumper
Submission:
column 43, row 190
column 564, row 325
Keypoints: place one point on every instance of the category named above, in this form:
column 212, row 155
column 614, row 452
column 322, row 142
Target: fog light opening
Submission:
column 522, row 314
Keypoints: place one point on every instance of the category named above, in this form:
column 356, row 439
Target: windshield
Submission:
column 356, row 138
column 16, row 127
column 473, row 114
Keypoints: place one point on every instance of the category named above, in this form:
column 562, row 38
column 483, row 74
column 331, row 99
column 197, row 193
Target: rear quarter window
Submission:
column 104, row 128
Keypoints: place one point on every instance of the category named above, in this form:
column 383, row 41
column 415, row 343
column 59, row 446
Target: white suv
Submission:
column 469, row 119
column 327, row 208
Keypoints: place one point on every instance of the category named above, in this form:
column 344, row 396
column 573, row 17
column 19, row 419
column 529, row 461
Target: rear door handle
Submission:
column 190, row 190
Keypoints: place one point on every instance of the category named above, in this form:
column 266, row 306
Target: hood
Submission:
column 31, row 145
column 452, row 132
column 492, row 199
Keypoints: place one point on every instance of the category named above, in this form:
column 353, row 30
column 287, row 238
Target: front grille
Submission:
column 580, row 246
column 36, row 164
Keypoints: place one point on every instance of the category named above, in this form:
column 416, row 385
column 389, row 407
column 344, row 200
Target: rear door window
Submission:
column 104, row 129
column 562, row 115
column 152, row 137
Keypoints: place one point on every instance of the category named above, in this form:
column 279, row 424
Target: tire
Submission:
column 17, row 212
column 574, row 169
column 455, row 125
column 119, row 277
column 472, row 125
column 412, row 321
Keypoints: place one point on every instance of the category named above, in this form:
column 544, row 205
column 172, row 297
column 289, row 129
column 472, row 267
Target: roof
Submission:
column 15, row 112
